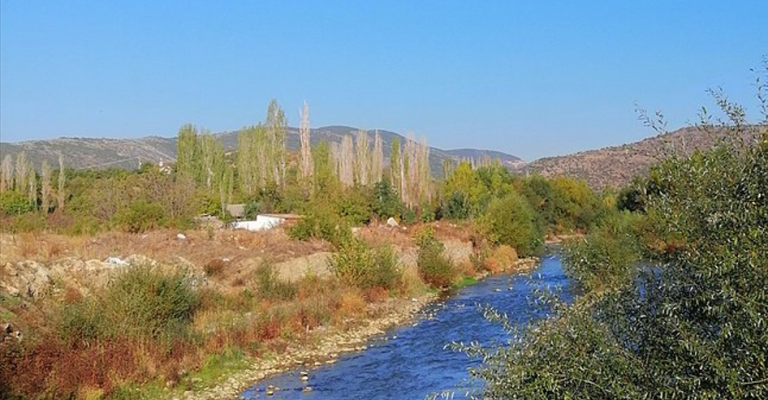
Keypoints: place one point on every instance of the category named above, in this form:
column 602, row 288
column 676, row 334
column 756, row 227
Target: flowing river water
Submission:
column 411, row 362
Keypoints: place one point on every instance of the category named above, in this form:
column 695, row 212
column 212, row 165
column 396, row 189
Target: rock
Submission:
column 115, row 261
column 181, row 236
column 392, row 223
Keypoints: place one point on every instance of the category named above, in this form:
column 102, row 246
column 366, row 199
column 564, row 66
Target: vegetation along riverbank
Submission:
column 673, row 303
column 114, row 286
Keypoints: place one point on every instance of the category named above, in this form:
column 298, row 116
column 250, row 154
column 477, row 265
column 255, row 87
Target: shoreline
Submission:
column 320, row 351
column 317, row 351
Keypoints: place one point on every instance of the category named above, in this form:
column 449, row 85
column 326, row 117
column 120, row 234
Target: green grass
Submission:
column 214, row 370
column 464, row 282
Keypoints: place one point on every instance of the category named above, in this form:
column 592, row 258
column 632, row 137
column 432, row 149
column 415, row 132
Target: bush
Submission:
column 29, row 222
column 141, row 216
column 511, row 221
column 320, row 223
column 605, row 258
column 141, row 303
column 386, row 203
column 270, row 286
column 354, row 206
column 144, row 302
column 434, row 268
column 82, row 322
column 358, row 265
column 457, row 206
column 15, row 203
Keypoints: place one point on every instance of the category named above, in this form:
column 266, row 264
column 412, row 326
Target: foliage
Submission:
column 356, row 264
column 141, row 216
column 605, row 258
column 463, row 190
column 511, row 221
column 354, row 206
column 386, row 203
column 434, row 268
column 270, row 286
column 141, row 303
column 691, row 328
column 13, row 202
column 320, row 222
column 457, row 206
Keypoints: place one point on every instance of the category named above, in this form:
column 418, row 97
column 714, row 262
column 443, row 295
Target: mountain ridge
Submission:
column 84, row 152
column 615, row 166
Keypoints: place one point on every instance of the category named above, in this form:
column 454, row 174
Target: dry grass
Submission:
column 160, row 245
column 501, row 259
column 233, row 313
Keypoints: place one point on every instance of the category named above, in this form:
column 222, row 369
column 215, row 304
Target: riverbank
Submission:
column 325, row 345
column 258, row 304
column 320, row 347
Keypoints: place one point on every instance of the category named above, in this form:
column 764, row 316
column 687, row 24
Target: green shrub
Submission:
column 29, row 222
column 320, row 223
column 141, row 216
column 144, row 302
column 510, row 220
column 386, row 203
column 354, row 206
column 605, row 258
column 141, row 303
column 13, row 202
column 82, row 322
column 457, row 206
column 356, row 264
column 434, row 268
column 270, row 286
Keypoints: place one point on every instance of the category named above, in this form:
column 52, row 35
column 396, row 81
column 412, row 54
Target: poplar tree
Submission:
column 362, row 158
column 277, row 127
column 45, row 187
column 186, row 151
column 346, row 161
column 324, row 168
column 396, row 166
column 21, row 172
column 251, row 158
column 210, row 159
column 6, row 173
column 60, row 193
column 377, row 158
column 31, row 183
column 226, row 185
column 305, row 165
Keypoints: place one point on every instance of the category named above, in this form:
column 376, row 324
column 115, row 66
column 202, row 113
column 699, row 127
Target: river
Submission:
column 411, row 362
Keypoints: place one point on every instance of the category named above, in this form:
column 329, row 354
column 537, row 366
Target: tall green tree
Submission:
column 187, row 163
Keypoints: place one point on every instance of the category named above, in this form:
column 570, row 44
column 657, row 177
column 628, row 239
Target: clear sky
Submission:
column 533, row 78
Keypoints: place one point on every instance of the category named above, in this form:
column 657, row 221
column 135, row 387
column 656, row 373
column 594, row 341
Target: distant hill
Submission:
column 616, row 166
column 127, row 153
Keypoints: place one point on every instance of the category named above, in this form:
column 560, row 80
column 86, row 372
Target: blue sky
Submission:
column 529, row 78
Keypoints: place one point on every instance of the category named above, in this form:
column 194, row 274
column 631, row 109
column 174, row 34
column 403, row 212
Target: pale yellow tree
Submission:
column 377, row 158
column 306, row 167
column 362, row 158
column 45, row 186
